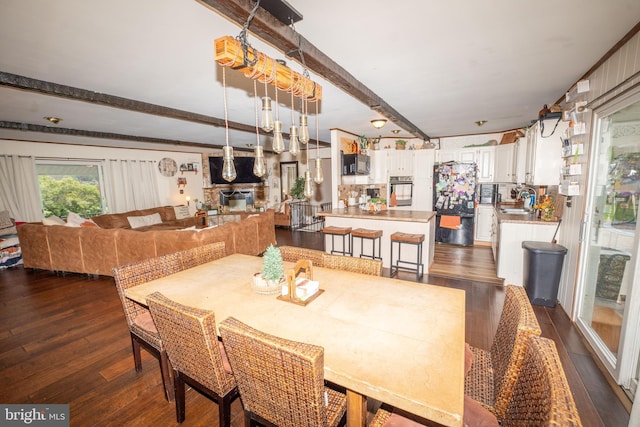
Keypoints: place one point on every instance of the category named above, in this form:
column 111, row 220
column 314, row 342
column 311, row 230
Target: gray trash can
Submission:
column 542, row 269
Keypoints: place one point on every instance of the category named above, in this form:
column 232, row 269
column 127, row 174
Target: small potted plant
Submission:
column 269, row 281
column 401, row 144
column 297, row 191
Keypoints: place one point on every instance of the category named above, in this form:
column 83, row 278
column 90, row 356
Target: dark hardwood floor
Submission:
column 64, row 339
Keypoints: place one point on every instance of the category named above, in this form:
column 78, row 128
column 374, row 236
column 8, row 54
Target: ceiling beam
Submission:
column 77, row 94
column 28, row 127
column 282, row 36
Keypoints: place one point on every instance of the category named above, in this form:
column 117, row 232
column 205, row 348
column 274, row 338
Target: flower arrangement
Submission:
column 545, row 207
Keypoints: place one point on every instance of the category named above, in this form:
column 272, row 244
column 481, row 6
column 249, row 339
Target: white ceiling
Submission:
column 441, row 64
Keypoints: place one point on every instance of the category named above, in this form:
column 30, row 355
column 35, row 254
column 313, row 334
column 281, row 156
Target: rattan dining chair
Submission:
column 541, row 395
column 294, row 254
column 196, row 355
column 141, row 327
column 281, row 382
column 372, row 267
column 494, row 373
column 201, row 254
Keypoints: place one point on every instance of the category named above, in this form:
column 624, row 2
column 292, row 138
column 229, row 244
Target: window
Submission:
column 71, row 186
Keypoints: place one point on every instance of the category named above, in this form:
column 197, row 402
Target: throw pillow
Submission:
column 7, row 225
column 53, row 220
column 144, row 220
column 182, row 212
column 75, row 220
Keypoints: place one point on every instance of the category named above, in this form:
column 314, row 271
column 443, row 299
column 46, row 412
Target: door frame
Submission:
column 622, row 368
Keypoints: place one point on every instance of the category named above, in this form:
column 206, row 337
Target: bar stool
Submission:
column 373, row 235
column 333, row 231
column 408, row 239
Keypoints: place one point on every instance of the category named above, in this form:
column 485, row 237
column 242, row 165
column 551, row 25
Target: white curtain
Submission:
column 131, row 185
column 19, row 190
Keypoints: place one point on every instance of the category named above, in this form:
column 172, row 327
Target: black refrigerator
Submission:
column 454, row 196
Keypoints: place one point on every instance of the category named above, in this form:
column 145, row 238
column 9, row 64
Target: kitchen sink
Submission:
column 515, row 211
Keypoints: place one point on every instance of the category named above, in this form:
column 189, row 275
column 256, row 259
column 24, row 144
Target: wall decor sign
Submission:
column 167, row 167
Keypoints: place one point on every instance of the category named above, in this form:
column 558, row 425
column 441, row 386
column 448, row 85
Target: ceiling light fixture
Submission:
column 395, row 131
column 378, row 123
column 54, row 120
column 481, row 122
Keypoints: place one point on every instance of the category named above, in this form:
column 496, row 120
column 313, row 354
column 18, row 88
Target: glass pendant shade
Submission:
column 303, row 136
column 228, row 168
column 318, row 177
column 308, row 189
column 259, row 165
column 278, row 142
column 266, row 122
column 294, row 146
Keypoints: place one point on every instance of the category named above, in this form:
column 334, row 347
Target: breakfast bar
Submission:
column 389, row 221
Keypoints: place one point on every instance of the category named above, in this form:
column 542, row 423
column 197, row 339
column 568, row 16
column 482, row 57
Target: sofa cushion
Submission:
column 144, row 220
column 53, row 220
column 118, row 220
column 7, row 226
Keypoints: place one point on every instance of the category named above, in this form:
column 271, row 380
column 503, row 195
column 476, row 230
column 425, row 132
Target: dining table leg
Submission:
column 356, row 409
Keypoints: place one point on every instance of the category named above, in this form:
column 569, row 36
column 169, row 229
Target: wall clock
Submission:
column 167, row 166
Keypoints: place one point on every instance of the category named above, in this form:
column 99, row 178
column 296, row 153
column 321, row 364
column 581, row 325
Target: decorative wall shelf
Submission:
column 573, row 143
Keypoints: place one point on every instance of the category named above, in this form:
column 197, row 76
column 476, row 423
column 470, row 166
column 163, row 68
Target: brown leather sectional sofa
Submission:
column 97, row 250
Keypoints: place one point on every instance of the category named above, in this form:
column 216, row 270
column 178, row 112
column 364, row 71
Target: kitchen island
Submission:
column 389, row 221
column 509, row 233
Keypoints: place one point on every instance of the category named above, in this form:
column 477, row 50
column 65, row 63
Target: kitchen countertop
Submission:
column 388, row 215
column 522, row 219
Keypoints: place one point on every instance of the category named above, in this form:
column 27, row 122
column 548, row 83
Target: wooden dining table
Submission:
column 399, row 342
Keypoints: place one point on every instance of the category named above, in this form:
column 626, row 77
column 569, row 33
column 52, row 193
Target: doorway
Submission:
column 608, row 306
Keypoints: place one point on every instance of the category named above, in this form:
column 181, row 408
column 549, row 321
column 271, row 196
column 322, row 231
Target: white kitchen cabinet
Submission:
column 423, row 180
column 484, row 222
column 423, row 161
column 483, row 156
column 544, row 153
column 495, row 236
column 467, row 155
column 510, row 262
column 378, row 170
column 504, row 162
column 520, row 160
column 400, row 162
column 444, row 156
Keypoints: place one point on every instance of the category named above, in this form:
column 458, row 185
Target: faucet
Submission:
column 529, row 194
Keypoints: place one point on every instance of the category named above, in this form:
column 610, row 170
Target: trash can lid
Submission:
column 543, row 247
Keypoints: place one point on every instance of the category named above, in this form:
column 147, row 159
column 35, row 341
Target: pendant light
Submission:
column 267, row 116
column 228, row 168
column 294, row 146
column 318, row 177
column 258, row 163
column 278, row 141
column 266, row 123
column 303, row 136
column 308, row 188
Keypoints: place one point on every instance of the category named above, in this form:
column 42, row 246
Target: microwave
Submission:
column 355, row 164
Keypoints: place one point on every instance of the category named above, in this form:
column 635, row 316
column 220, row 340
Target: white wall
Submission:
column 167, row 186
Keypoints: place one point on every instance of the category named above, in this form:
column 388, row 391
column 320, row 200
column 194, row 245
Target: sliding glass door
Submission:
column 608, row 308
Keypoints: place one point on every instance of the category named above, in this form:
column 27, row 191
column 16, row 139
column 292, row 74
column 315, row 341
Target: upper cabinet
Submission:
column 504, row 162
column 400, row 162
column 544, row 147
column 484, row 157
column 510, row 161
